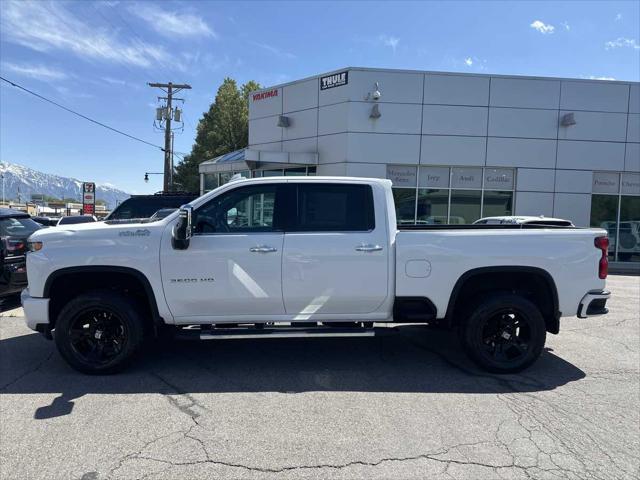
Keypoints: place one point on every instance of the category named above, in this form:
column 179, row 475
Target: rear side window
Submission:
column 326, row 207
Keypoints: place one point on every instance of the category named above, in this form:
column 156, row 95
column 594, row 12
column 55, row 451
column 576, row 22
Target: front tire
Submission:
column 504, row 333
column 99, row 332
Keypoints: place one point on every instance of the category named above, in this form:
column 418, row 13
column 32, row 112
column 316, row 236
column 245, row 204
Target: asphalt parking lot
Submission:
column 406, row 405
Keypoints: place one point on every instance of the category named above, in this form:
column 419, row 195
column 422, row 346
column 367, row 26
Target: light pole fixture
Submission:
column 146, row 175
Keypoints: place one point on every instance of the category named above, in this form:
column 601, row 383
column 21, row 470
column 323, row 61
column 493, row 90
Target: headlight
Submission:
column 34, row 246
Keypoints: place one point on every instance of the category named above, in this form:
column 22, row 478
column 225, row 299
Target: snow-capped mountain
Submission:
column 21, row 181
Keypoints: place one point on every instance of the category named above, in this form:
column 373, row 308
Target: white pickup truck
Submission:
column 307, row 256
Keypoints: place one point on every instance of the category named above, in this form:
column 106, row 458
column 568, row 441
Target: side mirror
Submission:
column 182, row 230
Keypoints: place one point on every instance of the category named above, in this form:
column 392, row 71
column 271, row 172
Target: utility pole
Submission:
column 170, row 89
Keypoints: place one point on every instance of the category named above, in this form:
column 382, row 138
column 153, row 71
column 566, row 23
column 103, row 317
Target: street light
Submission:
column 146, row 175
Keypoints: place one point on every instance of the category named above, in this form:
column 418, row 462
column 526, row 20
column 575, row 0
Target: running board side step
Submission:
column 282, row 332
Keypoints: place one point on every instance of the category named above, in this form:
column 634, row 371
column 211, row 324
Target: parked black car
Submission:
column 76, row 219
column 46, row 221
column 140, row 207
column 15, row 229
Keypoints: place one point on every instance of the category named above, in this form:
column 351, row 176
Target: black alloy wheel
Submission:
column 506, row 336
column 503, row 332
column 100, row 332
column 98, row 336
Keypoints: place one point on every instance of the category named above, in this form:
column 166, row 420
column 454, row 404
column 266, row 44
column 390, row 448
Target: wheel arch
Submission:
column 97, row 277
column 539, row 282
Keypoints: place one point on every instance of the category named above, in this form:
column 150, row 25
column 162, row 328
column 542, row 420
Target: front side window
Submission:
column 242, row 210
column 334, row 208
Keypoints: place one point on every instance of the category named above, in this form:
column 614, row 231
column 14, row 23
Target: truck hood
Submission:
column 97, row 230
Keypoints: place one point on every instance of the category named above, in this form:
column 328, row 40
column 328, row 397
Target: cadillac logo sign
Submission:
column 334, row 80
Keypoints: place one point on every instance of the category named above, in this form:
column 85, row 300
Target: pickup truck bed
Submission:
column 314, row 253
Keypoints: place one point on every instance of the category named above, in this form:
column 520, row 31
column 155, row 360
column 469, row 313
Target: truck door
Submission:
column 233, row 266
column 335, row 251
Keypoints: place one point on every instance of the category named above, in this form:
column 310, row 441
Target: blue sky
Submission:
column 96, row 57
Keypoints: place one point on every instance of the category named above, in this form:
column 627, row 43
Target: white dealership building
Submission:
column 458, row 146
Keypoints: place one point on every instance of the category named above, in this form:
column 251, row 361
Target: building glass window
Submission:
column 465, row 206
column 454, row 195
column 225, row 177
column 629, row 229
column 214, row 180
column 497, row 203
column 433, row 206
column 295, row 172
column 615, row 206
column 604, row 214
column 272, row 173
column 210, row 182
column 405, row 200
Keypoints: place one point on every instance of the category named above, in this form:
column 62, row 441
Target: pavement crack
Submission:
column 37, row 367
column 433, row 456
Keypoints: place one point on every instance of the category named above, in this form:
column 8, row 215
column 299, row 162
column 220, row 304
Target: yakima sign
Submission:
column 267, row 94
column 335, row 80
column 88, row 198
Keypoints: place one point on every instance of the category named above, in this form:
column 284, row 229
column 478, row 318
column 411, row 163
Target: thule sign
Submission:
column 334, row 80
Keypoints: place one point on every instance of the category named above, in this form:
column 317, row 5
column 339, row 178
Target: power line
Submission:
column 81, row 115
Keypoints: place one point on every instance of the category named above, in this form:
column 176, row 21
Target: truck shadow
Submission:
column 408, row 359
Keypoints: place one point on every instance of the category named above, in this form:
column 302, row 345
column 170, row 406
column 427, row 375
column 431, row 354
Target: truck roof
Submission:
column 313, row 178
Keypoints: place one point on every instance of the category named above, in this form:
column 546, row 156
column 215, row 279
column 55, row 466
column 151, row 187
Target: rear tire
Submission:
column 99, row 332
column 503, row 333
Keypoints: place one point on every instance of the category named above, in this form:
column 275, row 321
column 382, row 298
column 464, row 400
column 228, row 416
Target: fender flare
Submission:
column 137, row 274
column 553, row 324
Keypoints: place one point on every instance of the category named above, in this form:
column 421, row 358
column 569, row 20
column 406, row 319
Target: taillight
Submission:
column 603, row 266
column 14, row 246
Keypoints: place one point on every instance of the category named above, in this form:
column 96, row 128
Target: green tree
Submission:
column 222, row 129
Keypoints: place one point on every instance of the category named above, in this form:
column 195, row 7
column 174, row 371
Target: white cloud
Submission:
column 618, row 17
column 542, row 27
column 566, row 26
column 39, row 72
column 46, row 26
column 478, row 64
column 170, row 23
column 622, row 42
column 115, row 81
column 389, row 41
column 274, row 50
column 593, row 77
column 70, row 93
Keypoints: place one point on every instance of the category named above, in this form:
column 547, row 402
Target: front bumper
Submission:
column 36, row 311
column 594, row 303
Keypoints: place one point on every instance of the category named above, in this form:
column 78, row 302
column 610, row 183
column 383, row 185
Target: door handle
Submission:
column 263, row 249
column 368, row 248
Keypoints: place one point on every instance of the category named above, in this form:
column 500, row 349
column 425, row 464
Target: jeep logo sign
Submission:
column 335, row 80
